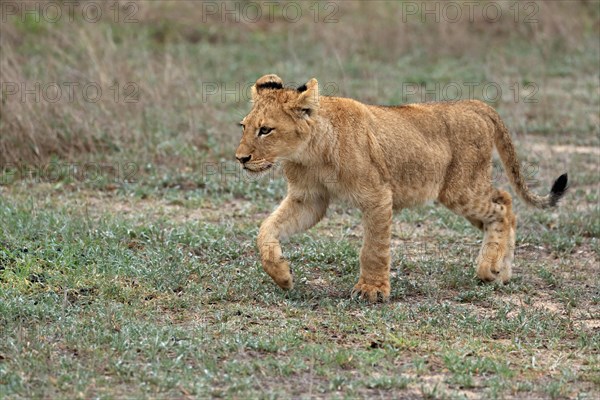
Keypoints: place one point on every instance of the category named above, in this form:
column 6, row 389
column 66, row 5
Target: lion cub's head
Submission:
column 279, row 125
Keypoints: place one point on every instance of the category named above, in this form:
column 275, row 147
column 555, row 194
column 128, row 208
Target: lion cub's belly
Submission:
column 412, row 183
column 415, row 183
column 404, row 196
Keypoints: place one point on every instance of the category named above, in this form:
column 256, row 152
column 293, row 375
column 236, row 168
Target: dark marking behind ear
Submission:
column 307, row 111
column 302, row 88
column 270, row 85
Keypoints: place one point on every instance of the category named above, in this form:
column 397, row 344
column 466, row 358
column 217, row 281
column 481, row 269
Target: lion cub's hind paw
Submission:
column 372, row 293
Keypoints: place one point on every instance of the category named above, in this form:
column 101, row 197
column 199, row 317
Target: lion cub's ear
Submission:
column 308, row 99
column 270, row 81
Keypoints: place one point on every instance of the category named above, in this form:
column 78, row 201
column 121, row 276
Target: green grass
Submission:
column 166, row 298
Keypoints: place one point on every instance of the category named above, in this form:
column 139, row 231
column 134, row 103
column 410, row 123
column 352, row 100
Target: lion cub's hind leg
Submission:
column 506, row 272
column 494, row 261
column 493, row 214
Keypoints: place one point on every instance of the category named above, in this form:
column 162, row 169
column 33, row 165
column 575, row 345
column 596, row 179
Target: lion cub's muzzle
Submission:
column 254, row 165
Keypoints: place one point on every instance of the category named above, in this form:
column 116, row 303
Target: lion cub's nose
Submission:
column 243, row 159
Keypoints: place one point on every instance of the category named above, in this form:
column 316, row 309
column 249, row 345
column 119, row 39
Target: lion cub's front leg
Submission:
column 374, row 277
column 293, row 215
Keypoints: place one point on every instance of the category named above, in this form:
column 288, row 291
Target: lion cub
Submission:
column 382, row 158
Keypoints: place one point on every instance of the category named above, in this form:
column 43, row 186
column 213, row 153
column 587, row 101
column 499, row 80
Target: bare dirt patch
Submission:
column 546, row 148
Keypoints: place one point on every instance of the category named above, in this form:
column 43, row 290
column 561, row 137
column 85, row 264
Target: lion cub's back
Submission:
column 421, row 141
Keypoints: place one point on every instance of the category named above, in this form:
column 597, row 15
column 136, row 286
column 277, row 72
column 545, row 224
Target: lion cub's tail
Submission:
column 507, row 152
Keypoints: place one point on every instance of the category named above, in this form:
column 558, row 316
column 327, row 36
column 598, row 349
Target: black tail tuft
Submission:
column 558, row 189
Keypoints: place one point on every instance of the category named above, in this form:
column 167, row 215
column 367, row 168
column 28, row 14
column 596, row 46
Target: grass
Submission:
column 128, row 266
column 157, row 291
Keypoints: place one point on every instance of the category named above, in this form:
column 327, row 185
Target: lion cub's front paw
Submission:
column 372, row 292
column 281, row 273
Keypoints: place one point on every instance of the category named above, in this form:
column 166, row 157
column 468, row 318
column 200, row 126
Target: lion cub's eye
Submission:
column 264, row 131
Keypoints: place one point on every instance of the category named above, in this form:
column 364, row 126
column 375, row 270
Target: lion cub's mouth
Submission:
column 258, row 167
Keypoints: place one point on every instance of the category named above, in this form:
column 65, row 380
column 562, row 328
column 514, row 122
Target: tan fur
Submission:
column 380, row 159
